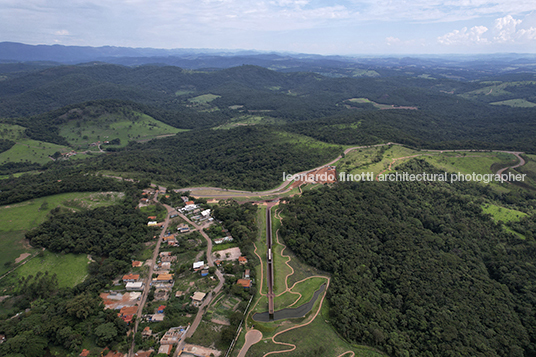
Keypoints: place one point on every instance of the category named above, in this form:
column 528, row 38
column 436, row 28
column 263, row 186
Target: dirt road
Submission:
column 210, row 295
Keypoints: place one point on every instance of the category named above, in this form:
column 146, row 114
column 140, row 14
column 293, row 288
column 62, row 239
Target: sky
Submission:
column 346, row 27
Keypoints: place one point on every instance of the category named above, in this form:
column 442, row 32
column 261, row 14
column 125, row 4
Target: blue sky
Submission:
column 349, row 27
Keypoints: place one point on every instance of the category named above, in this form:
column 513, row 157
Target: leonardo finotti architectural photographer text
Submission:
column 427, row 177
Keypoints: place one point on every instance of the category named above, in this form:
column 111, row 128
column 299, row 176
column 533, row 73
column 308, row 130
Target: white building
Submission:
column 135, row 286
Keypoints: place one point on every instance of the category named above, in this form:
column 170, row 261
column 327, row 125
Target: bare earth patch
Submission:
column 22, row 257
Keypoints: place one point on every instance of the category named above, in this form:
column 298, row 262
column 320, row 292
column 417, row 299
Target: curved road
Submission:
column 227, row 193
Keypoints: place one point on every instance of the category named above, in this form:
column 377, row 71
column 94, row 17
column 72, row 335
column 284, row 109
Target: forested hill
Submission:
column 251, row 158
column 418, row 269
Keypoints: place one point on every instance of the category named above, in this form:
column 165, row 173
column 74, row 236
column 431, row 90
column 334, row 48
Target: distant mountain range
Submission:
column 216, row 59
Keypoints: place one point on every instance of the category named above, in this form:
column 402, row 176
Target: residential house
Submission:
column 223, row 240
column 152, row 223
column 156, row 318
column 130, row 278
column 147, row 332
column 151, row 218
column 168, row 258
column 143, row 353
column 114, row 354
column 84, row 353
column 246, row 274
column 139, row 285
column 204, row 272
column 160, row 309
column 217, row 263
column 173, row 336
column 198, row 265
column 197, row 298
column 242, row 260
column 206, row 213
column 164, row 265
column 165, row 349
column 168, row 278
column 144, row 201
column 245, row 283
column 136, row 264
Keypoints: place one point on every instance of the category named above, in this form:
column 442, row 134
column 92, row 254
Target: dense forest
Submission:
column 58, row 180
column 251, row 158
column 417, row 268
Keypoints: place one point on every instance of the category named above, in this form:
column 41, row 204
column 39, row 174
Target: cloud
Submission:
column 62, row 33
column 464, row 36
column 506, row 30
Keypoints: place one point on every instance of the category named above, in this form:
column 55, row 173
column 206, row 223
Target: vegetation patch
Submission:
column 70, row 269
column 31, row 151
column 502, row 214
column 516, row 103
column 204, row 99
column 113, row 130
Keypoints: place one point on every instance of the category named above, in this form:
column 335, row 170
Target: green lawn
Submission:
column 70, row 269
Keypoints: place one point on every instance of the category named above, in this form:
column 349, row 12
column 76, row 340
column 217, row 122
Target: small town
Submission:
column 193, row 260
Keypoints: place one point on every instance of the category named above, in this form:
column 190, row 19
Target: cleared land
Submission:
column 21, row 217
column 516, row 103
column 25, row 149
column 138, row 127
column 70, row 269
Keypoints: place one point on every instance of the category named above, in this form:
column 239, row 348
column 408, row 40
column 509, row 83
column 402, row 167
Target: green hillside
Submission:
column 89, row 130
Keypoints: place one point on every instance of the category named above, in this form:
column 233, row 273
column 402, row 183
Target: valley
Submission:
column 136, row 204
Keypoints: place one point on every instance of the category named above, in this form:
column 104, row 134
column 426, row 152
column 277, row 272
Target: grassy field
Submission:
column 502, row 214
column 138, row 127
column 21, row 217
column 516, row 103
column 204, row 99
column 494, row 89
column 318, row 338
column 249, row 120
column 377, row 160
column 281, row 270
column 70, row 269
column 31, row 151
column 261, row 248
column 306, row 141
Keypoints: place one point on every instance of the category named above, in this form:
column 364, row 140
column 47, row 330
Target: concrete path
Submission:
column 252, row 337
